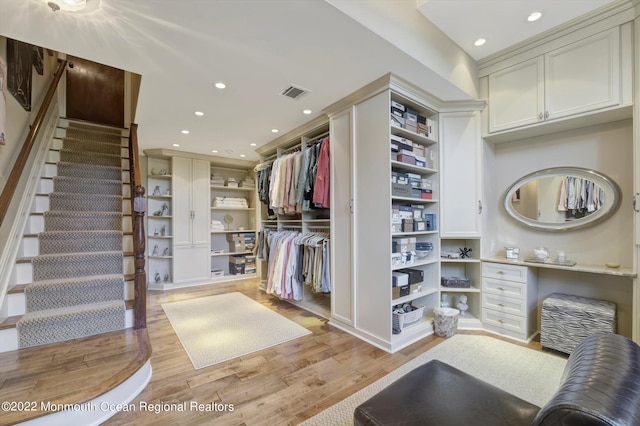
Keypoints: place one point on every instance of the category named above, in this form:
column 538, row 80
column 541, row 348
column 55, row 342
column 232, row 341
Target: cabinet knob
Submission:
column 635, row 202
column 540, row 116
column 479, row 206
column 546, row 115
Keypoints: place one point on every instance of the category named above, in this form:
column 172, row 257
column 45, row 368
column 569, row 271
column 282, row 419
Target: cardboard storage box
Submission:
column 398, row 292
column 236, row 247
column 217, row 273
column 407, row 159
column 407, row 225
column 396, row 227
column 400, row 190
column 397, row 121
column 419, row 225
column 402, row 143
column 238, row 260
column 418, row 149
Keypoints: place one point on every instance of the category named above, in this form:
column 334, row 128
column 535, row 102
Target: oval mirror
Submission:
column 562, row 199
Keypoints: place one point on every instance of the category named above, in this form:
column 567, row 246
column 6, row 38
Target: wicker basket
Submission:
column 400, row 321
column 446, row 321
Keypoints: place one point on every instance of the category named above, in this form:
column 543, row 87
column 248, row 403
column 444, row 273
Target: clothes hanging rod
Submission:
column 318, row 138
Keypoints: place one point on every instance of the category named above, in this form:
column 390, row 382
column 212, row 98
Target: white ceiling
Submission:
column 501, row 22
column 258, row 48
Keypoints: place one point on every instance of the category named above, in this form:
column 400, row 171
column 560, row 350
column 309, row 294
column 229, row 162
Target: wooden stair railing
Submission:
column 138, row 209
column 18, row 168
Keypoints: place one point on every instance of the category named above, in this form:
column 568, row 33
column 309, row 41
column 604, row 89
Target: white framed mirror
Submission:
column 562, row 199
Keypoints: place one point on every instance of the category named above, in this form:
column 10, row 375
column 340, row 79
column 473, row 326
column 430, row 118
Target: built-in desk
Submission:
column 593, row 269
column 546, row 282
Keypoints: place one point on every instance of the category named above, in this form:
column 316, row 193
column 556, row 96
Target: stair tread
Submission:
column 93, row 253
column 19, row 288
column 36, row 235
column 42, row 194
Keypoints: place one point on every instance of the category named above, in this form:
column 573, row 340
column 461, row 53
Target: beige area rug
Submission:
column 218, row 328
column 531, row 375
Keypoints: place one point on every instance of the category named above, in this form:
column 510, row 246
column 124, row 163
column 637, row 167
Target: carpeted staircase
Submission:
column 78, row 283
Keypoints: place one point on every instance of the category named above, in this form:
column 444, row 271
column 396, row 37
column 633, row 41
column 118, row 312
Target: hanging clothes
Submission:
column 321, row 188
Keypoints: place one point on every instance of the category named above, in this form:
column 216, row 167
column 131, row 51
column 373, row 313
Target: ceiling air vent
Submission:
column 294, row 92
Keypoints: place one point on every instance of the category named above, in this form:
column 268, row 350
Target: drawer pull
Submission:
column 501, row 305
column 501, row 321
column 501, row 288
column 500, row 272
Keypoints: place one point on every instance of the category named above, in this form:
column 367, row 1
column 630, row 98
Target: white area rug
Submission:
column 214, row 329
column 531, row 375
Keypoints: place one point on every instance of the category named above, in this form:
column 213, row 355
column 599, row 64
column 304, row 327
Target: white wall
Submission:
column 604, row 148
column 17, row 117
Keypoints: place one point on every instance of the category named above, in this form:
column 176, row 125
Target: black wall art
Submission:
column 20, row 66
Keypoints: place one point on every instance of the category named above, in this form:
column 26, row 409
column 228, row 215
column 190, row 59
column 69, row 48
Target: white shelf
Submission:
column 446, row 260
column 316, row 220
column 160, row 257
column 160, row 197
column 233, row 208
column 231, row 188
column 415, row 137
column 160, row 237
column 413, row 200
column 459, row 290
column 159, row 217
column 230, row 277
column 412, row 332
column 413, row 265
column 236, row 231
column 414, row 296
column 408, row 234
column 412, row 168
column 160, row 176
column 231, row 253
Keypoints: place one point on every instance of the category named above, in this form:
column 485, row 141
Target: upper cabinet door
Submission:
column 461, row 177
column 516, row 95
column 583, row 76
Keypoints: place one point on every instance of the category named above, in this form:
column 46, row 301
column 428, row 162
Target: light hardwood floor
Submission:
column 282, row 385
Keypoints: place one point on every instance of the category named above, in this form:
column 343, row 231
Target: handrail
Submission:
column 18, row 168
column 138, row 208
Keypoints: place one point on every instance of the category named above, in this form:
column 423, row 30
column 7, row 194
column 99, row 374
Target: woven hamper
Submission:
column 566, row 320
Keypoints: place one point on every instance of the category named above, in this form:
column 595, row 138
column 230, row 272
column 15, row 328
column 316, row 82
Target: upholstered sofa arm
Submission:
column 601, row 385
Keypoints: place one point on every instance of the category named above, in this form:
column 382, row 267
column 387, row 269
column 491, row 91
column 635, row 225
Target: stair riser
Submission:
column 63, row 123
column 54, row 157
column 24, row 271
column 36, row 224
column 60, row 134
column 46, row 186
column 16, row 302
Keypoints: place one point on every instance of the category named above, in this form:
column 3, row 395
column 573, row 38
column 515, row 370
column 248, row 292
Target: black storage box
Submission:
column 415, row 275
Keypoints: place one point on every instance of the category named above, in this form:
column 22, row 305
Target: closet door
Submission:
column 461, row 177
column 200, row 193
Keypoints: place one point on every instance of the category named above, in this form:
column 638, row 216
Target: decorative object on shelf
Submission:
column 167, row 278
column 161, row 172
column 156, row 232
column 561, row 256
column 166, row 252
column 549, row 261
column 541, row 253
column 449, row 255
column 612, row 265
column 165, row 209
column 156, row 190
column 512, row 253
column 464, row 252
column 163, row 230
column 157, row 213
column 228, row 219
column 157, row 277
column 462, row 304
column 455, row 282
column 156, row 250
column 167, row 192
column 444, row 301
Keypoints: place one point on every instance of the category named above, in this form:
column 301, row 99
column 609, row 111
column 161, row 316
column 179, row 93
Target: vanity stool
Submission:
column 566, row 320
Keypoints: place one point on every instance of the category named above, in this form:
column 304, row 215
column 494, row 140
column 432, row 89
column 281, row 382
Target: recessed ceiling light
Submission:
column 176, row 144
column 220, row 85
column 185, row 132
column 242, row 155
column 275, row 130
column 199, row 113
column 214, row 151
column 307, row 111
column 534, row 16
column 253, row 144
column 479, row 42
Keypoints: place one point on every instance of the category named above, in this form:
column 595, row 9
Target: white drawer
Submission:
column 505, row 272
column 504, row 288
column 508, row 305
column 505, row 321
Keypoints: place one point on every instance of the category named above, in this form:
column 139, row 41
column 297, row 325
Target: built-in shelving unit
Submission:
column 159, row 221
